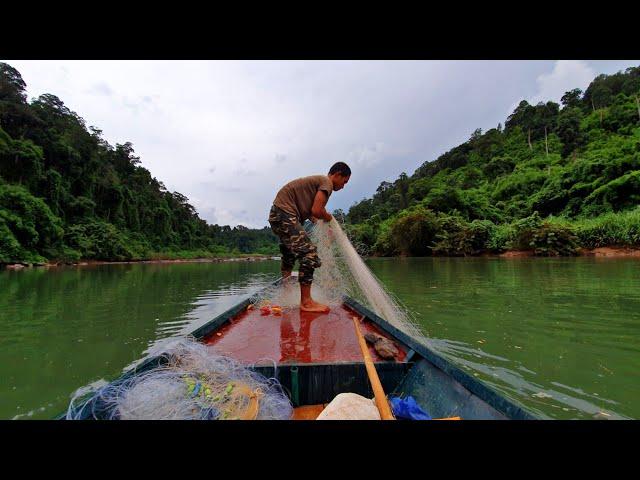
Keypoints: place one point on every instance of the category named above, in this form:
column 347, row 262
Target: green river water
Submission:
column 561, row 336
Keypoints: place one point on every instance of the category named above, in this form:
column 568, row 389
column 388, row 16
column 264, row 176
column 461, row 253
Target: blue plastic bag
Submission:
column 407, row 408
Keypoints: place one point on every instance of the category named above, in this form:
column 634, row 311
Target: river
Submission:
column 559, row 335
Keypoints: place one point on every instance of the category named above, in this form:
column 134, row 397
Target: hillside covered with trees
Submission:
column 66, row 194
column 555, row 179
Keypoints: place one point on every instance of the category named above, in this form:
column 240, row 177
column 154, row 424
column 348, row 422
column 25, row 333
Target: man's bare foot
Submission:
column 311, row 306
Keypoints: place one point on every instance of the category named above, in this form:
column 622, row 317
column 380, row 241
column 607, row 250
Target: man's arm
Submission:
column 318, row 209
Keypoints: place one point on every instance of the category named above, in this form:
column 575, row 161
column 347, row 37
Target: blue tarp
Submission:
column 407, row 408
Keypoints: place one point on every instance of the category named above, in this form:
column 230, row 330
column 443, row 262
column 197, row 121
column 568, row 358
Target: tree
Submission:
column 12, row 86
column 15, row 116
column 538, row 121
column 383, row 188
column 402, row 185
column 124, row 159
column 415, row 232
column 571, row 99
column 522, row 116
column 477, row 133
column 52, row 106
column 568, row 129
column 108, row 204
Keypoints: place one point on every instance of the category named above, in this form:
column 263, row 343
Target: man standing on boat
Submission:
column 299, row 200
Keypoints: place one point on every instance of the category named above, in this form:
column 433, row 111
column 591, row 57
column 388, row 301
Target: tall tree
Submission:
column 572, row 98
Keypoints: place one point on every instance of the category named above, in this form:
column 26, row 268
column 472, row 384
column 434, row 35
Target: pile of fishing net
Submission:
column 195, row 383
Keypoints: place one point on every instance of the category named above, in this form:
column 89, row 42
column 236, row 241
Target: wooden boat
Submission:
column 318, row 356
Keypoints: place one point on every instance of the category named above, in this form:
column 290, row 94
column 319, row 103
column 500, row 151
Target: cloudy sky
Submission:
column 229, row 134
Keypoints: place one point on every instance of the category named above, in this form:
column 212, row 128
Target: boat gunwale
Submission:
column 474, row 385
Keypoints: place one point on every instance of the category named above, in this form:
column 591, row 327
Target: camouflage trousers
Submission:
column 294, row 244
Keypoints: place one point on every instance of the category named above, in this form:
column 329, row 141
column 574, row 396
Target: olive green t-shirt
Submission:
column 297, row 196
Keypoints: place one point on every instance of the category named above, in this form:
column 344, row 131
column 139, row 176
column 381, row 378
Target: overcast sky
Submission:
column 229, row 134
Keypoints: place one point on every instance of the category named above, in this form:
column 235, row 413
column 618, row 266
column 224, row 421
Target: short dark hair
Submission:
column 341, row 168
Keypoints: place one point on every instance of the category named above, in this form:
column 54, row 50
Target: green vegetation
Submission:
column 556, row 178
column 66, row 194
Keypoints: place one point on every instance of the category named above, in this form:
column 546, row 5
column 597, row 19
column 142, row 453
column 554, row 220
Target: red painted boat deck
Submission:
column 295, row 337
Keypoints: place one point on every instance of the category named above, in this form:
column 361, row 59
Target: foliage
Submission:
column 99, row 241
column 414, row 232
column 543, row 237
column 557, row 176
column 27, row 225
column 65, row 192
column 578, row 161
column 611, row 229
column 459, row 238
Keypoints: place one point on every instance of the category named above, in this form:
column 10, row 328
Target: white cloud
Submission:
column 100, row 89
column 566, row 75
column 229, row 134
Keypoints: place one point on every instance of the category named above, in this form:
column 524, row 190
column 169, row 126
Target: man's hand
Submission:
column 313, row 219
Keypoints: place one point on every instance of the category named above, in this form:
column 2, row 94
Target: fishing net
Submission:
column 195, row 383
column 343, row 272
column 360, row 282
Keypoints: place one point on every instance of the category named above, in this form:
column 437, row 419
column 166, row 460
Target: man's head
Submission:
column 339, row 174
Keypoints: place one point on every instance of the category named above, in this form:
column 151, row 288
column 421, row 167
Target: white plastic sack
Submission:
column 350, row 406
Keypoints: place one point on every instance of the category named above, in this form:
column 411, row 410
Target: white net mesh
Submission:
column 359, row 281
column 196, row 383
column 343, row 272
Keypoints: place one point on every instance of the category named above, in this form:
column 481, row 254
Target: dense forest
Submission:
column 66, row 194
column 555, row 179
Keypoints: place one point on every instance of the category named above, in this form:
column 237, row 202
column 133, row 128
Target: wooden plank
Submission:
column 381, row 399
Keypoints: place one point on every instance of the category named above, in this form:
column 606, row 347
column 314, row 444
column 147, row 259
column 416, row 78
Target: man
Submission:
column 299, row 200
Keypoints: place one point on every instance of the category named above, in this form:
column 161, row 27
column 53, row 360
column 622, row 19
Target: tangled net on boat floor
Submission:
column 195, row 383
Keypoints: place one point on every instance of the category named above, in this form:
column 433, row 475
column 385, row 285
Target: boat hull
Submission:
column 316, row 357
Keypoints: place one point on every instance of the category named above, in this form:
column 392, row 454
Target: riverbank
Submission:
column 601, row 252
column 54, row 263
column 609, row 252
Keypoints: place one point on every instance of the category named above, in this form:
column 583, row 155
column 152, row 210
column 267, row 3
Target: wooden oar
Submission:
column 381, row 398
